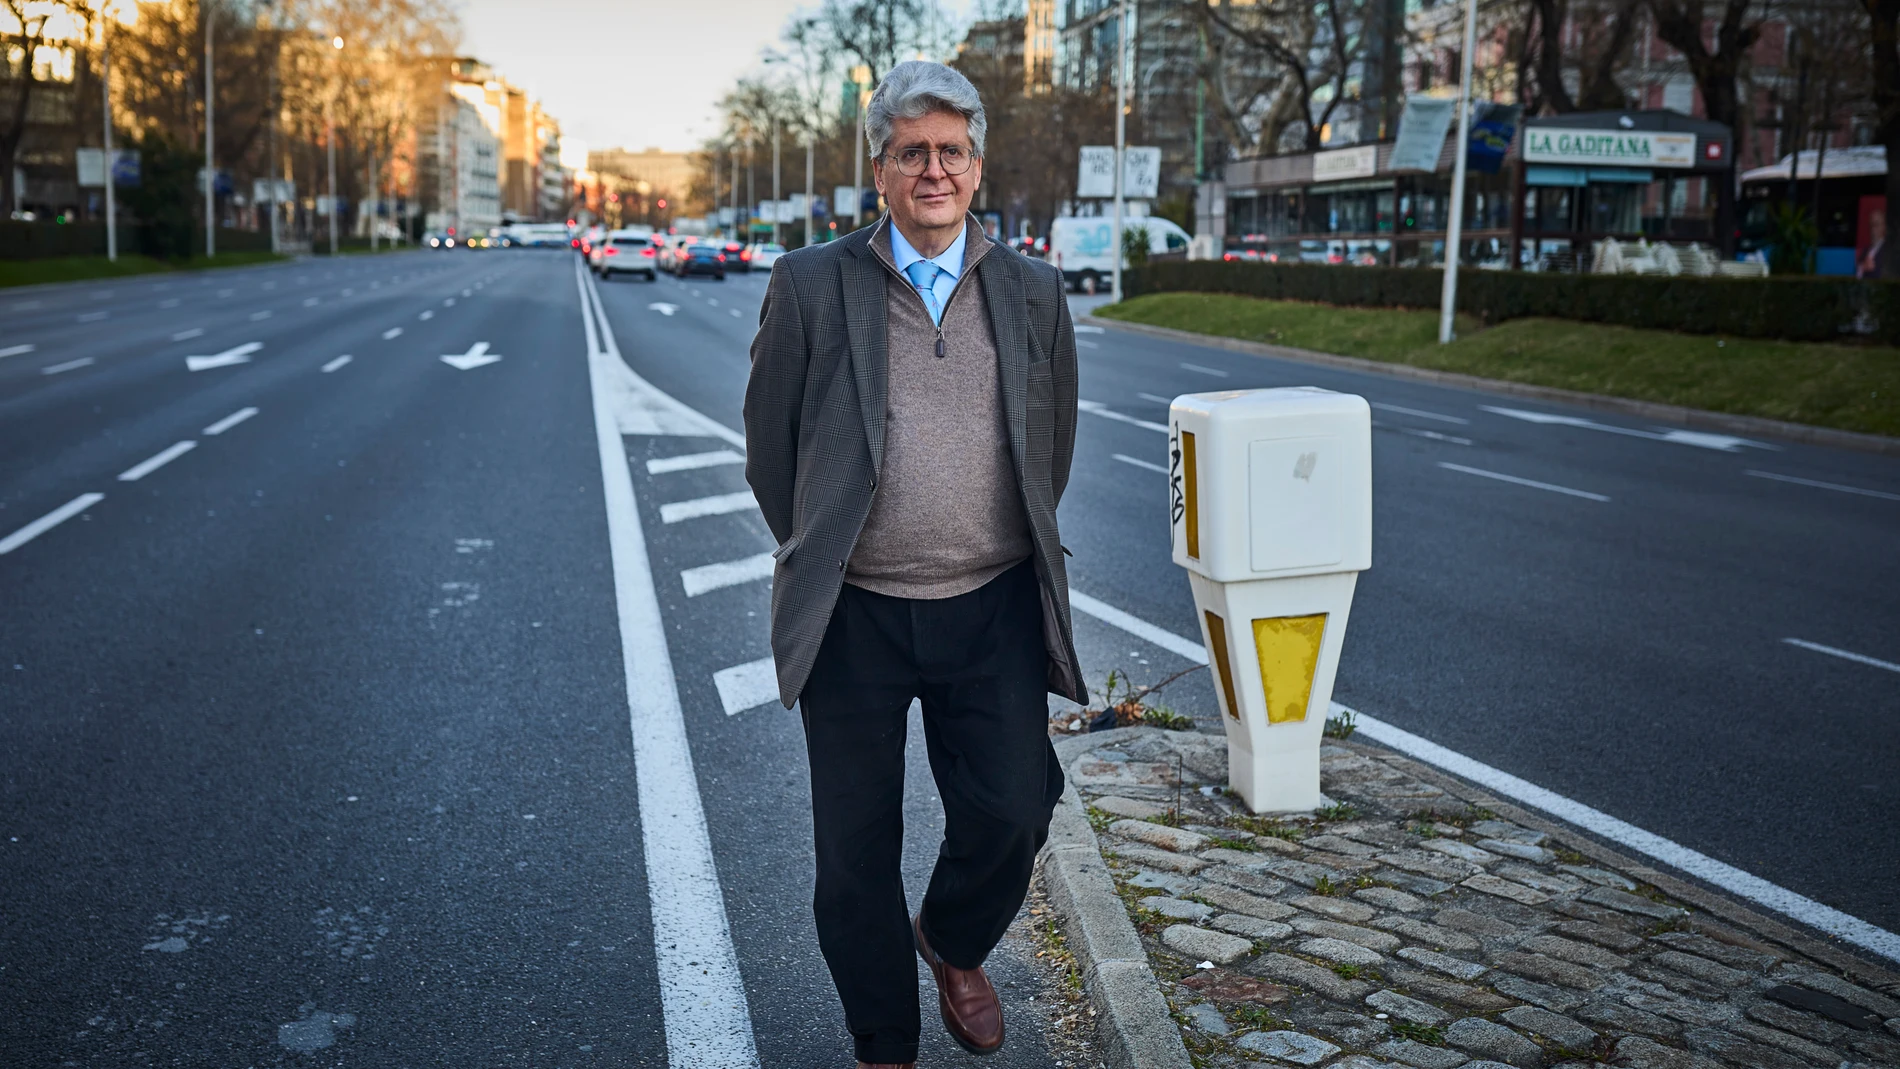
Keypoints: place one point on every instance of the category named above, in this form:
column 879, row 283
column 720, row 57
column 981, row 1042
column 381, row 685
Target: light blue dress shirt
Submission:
column 949, row 262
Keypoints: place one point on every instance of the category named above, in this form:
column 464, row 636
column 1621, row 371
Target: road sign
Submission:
column 1141, row 172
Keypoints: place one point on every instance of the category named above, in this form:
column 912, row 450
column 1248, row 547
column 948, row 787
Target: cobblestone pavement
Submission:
column 1405, row 926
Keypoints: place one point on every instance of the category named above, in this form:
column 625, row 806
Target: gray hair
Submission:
column 916, row 88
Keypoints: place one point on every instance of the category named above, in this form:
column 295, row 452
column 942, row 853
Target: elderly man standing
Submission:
column 909, row 424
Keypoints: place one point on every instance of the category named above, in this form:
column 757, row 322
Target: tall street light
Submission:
column 1454, row 230
column 105, row 84
column 207, row 14
column 1121, row 140
column 329, row 138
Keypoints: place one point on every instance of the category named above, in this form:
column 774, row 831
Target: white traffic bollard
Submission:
column 1271, row 499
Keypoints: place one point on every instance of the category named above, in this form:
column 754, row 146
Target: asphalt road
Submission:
column 314, row 740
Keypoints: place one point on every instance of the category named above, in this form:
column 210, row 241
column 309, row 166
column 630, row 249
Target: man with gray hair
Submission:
column 909, row 422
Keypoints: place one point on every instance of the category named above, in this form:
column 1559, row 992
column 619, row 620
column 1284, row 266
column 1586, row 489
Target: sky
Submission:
column 630, row 73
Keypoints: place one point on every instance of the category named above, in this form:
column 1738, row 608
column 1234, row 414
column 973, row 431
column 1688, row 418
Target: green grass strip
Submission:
column 1848, row 387
column 81, row 268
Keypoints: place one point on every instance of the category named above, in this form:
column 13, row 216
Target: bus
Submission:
column 1853, row 207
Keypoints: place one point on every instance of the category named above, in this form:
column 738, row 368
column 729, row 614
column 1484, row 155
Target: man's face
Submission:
column 932, row 200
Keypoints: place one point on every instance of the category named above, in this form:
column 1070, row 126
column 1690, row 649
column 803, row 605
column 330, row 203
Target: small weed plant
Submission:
column 1428, row 1034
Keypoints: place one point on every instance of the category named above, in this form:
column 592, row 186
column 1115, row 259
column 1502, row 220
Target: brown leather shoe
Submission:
column 971, row 1010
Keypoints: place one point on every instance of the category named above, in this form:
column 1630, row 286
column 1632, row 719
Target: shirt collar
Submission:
column 950, row 260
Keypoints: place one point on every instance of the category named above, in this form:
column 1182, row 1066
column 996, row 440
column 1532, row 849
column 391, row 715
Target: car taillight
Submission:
column 722, row 257
column 745, row 256
column 574, row 243
column 646, row 252
column 613, row 252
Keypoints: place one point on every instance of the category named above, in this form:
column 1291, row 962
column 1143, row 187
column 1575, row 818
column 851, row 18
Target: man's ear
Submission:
column 877, row 175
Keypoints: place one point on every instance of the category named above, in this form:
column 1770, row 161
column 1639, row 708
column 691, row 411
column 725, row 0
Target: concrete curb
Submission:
column 1132, row 1022
column 1688, row 417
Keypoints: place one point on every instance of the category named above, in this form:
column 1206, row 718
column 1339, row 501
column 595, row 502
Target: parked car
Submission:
column 701, row 258
column 765, row 254
column 627, row 252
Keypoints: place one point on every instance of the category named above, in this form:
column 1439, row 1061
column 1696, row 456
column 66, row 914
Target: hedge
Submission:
column 20, row 240
column 1796, row 308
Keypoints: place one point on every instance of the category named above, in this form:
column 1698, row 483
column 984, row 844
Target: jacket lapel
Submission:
column 862, row 278
column 1003, row 286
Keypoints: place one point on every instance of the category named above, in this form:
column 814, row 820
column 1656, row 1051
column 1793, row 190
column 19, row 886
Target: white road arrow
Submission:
column 663, row 308
column 239, row 355
column 476, row 356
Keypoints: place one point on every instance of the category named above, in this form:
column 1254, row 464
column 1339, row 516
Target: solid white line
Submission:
column 1882, row 494
column 230, row 421
column 391, row 333
column 187, row 335
column 156, row 461
column 70, row 365
column 1420, row 413
column 1533, row 483
column 1097, row 408
column 716, row 505
column 337, row 363
column 49, row 521
column 662, row 465
column 1157, row 399
column 1695, row 863
column 709, row 577
column 1149, row 464
column 1846, row 655
column 1216, row 372
column 702, row 993
column 747, row 686
column 1087, row 344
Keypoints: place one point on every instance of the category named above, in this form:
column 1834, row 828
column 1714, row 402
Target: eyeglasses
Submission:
column 954, row 159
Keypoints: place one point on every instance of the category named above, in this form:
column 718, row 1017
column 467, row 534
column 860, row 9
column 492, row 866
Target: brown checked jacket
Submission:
column 816, row 410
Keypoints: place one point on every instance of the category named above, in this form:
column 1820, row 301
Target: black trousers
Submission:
column 976, row 662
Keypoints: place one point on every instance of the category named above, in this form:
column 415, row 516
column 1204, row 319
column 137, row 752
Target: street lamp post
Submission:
column 329, row 139
column 775, row 190
column 1454, row 229
column 208, row 12
column 1121, row 140
column 105, row 81
column 732, row 192
column 811, row 205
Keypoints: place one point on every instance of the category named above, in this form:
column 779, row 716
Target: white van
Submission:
column 1081, row 246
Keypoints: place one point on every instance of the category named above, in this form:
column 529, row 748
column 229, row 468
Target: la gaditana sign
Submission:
column 1614, row 148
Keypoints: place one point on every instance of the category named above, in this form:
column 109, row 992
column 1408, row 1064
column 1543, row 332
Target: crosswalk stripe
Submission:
column 717, row 505
column 691, row 461
column 747, row 686
column 726, row 573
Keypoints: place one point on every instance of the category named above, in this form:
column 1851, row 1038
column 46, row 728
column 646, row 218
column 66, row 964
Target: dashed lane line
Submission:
column 1515, row 480
column 1420, row 413
column 258, row 317
column 747, row 686
column 337, row 363
column 716, row 505
column 1729, row 878
column 1147, row 464
column 230, row 421
column 1845, row 655
column 187, row 335
column 1861, row 491
column 1097, row 408
column 1214, row 371
column 710, row 577
column 70, row 365
column 392, row 332
column 692, row 461
column 156, row 461
column 49, row 521
column 15, row 350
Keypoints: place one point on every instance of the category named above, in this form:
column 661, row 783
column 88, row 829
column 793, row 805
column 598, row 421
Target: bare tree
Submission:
column 1311, row 46
column 1714, row 37
column 1600, row 35
column 31, row 21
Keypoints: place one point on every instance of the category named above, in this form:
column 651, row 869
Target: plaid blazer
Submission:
column 815, row 410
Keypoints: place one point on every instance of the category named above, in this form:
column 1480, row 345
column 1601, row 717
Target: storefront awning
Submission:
column 1543, row 174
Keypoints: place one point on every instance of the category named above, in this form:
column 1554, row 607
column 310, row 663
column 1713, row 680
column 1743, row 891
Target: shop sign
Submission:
column 1627, row 148
column 1361, row 162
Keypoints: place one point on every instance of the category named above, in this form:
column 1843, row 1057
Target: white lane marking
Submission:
column 1695, row 863
column 187, row 335
column 1702, row 440
column 337, row 363
column 1097, row 408
column 93, row 317
column 70, row 365
column 1216, row 372
column 1148, row 464
column 1882, row 494
column 1157, row 399
column 427, row 314
column 734, row 312
column 702, row 993
column 448, row 302
column 226, row 293
column 1084, row 328
column 716, row 505
column 156, row 461
column 349, row 293
column 309, row 302
column 230, row 421
column 1533, row 483
column 714, row 301
column 1420, row 432
column 1845, row 655
column 49, row 521
column 392, row 332
column 170, row 302
column 476, row 356
column 1421, row 413
column 15, row 350
column 747, row 686
column 468, row 293
column 25, row 306
column 240, row 354
column 662, row 465
column 258, row 317
column 663, row 308
column 708, row 577
column 1087, row 344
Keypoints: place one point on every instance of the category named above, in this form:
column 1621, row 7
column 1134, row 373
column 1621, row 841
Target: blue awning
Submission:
column 1632, row 175
column 1545, row 175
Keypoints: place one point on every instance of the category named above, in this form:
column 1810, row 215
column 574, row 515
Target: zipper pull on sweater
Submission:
column 940, row 343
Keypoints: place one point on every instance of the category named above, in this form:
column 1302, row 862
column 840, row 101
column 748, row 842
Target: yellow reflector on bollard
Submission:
column 1191, row 471
column 1217, row 638
column 1288, row 648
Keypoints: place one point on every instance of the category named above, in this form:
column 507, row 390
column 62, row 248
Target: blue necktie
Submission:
column 923, row 276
